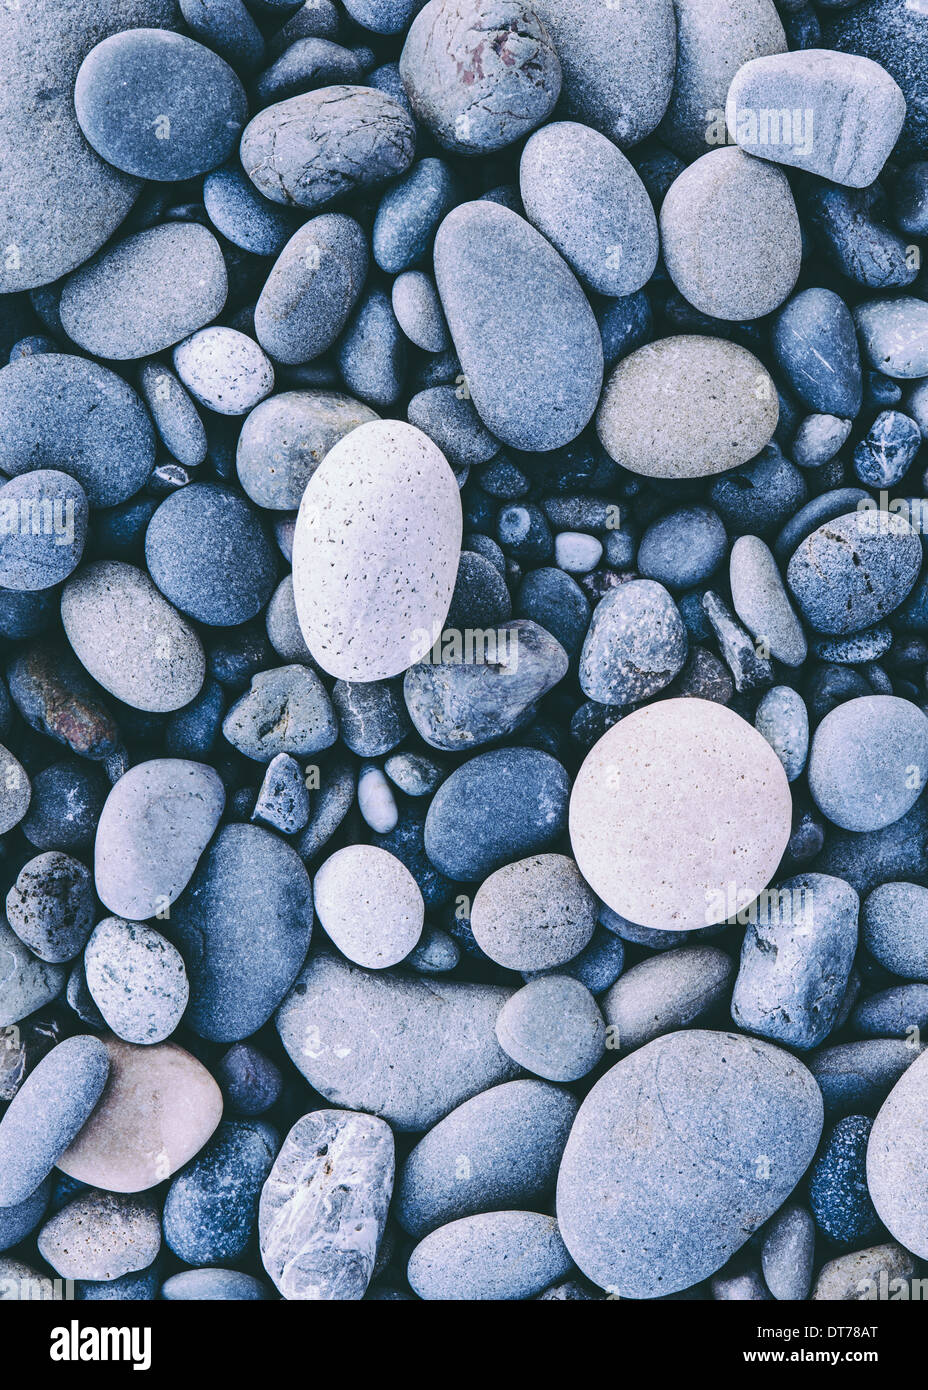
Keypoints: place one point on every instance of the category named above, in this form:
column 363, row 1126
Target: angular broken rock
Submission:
column 324, row 1205
column 392, row 1044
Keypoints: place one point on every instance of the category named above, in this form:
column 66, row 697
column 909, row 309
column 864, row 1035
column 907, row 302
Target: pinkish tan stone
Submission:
column 680, row 815
column 158, row 1109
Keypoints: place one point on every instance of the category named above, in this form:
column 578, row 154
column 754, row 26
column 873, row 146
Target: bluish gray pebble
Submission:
column 838, row 1194
column 314, row 19
column 761, row 602
column 854, row 570
column 553, row 1028
column 496, row 1255
column 137, row 980
column 856, row 1077
column 305, row 66
column 436, row 954
column 452, row 423
column 891, row 33
column 242, row 959
column 48, row 1111
column 555, row 601
column 859, row 648
column 683, row 547
column 665, row 992
column 418, row 311
column 140, row 1287
column 597, row 966
column 818, row 439
column 900, row 1012
column 242, row 215
column 286, row 710
column 788, row 1252
column 783, row 719
column 371, row 716
column 371, row 354
column 416, row 774
column 43, row 527
column 894, row 928
column 884, row 455
column 176, row 418
column 823, row 508
column 283, row 800
column 894, row 335
column 869, row 761
column 211, row 1208
column 51, row 906
column 26, row 983
column 313, row 287
column 815, row 344
column 19, row 1221
column 283, row 626
column 213, row 1285
column 635, row 644
column 227, row 27
column 409, row 215
column 286, row 437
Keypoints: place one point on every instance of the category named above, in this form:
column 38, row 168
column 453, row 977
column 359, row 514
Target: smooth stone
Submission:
column 869, row 761
column 502, row 284
column 783, row 719
column 496, row 808
column 313, row 19
column 101, row 1235
column 283, row 626
column 243, row 215
column 495, row 1255
column 137, row 980
column 372, row 717
column 418, row 311
column 224, row 370
column 145, row 293
column 141, row 1286
column 63, row 412
column 730, row 235
column 867, row 858
column 687, row 407
column 286, row 710
column 864, row 1274
column 709, row 1133
column 283, row 800
column 156, row 823
column 51, row 906
column 43, row 525
column 371, row 354
column 894, row 335
column 397, row 558
column 533, row 914
column 306, row 65
column 664, row 993
column 481, row 597
column 895, row 1168
column 641, row 802
column 815, row 345
column 884, row 455
column 788, row 1253
column 19, row 1221
column 838, row 1193
column 818, row 439
column 576, row 552
column 60, row 201
column 761, row 602
column 212, row 1285
column 176, row 418
column 55, row 697
column 855, row 1078
column 227, row 27
column 159, row 105
column 130, row 639
column 854, row 570
column 376, row 801
column 500, row 1148
column 409, row 214
column 581, row 192
column 47, row 1113
column 243, row 928
column 477, row 695
column 850, row 227
column 329, row 807
column 369, row 905
column 320, row 145
column 891, row 33
column 314, row 285
column 760, row 496
column 899, row 1012
column 436, row 954
column 553, row 1028
column 211, row 1208
column 159, row 1108
column 479, row 76
column 894, row 928
column 15, row 790
column 324, row 1206
column 452, row 423
column 713, row 42
column 250, row 1082
column 635, row 644
column 208, row 551
column 415, row 773
column 383, row 16
column 796, row 959
column 26, row 983
column 852, row 113
column 285, row 438
column 682, row 548
column 398, row 1046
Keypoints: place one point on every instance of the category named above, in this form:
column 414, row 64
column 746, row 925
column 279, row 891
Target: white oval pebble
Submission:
column 375, row 559
column 370, row 905
column 376, row 801
column 225, row 370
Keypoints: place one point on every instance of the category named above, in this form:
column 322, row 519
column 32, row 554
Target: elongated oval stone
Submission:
column 324, row 1205
column 687, row 407
column 407, row 1049
column 495, row 1255
column 243, row 928
column 158, row 1109
column 312, row 288
column 145, row 293
column 47, row 1113
column 528, row 341
column 60, row 411
column 678, row 1154
column 130, row 639
column 155, row 824
column 374, row 565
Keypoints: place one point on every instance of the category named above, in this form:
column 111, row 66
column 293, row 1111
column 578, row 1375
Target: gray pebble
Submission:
column 283, row 625
column 635, row 645
column 211, row 1285
column 553, row 1028
column 101, row 1235
column 283, row 800
column 137, row 980
column 285, row 438
column 664, row 993
column 418, row 311
column 43, row 526
column 851, row 572
column 761, row 601
column 450, row 421
column 51, row 906
column 855, row 1078
column 242, row 215
column 782, row 718
column 311, row 290
column 176, row 418
column 894, row 335
column 26, row 983
column 286, row 710
column 869, row 761
column 894, row 928
column 534, row 913
column 496, row 1255
column 900, row 1012
column 305, row 66
column 372, row 718
column 409, row 214
column 224, row 370
column 788, row 1252
column 895, row 1172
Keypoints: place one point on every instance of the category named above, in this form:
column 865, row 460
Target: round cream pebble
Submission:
column 680, row 815
column 370, row 905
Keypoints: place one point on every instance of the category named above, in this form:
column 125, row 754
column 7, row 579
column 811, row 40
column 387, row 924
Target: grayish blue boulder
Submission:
column 854, row 570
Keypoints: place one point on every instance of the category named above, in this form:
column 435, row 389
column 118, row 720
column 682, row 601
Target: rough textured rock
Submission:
column 101, row 1235
column 324, row 1205
column 137, row 980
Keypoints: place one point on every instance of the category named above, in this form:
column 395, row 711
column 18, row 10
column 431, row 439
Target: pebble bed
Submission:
column 464, row 626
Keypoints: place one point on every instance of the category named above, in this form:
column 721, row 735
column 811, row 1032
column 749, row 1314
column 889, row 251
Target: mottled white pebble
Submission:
column 225, row 370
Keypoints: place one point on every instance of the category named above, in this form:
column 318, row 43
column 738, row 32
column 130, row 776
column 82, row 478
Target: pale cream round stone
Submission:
column 680, row 815
column 375, row 551
column 687, row 407
column 370, row 905
column 159, row 1107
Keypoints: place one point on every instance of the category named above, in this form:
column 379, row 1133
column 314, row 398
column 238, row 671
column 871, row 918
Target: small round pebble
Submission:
column 370, row 905
column 137, row 980
column 553, row 1028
